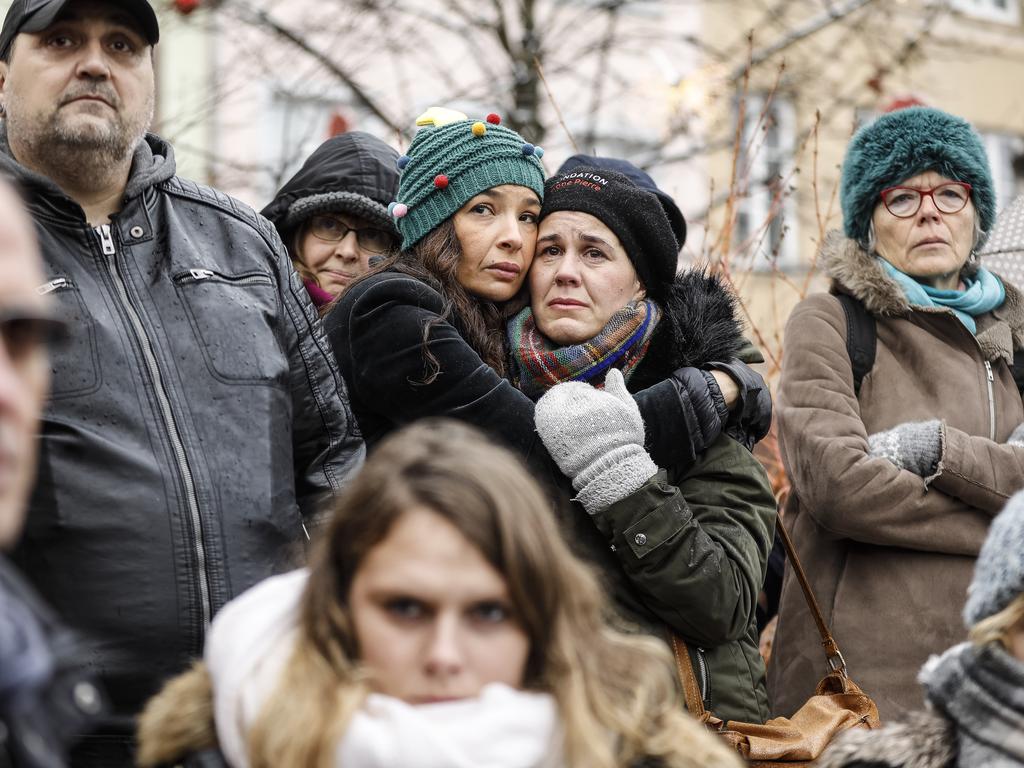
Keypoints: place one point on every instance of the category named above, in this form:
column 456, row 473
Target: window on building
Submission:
column 1007, row 11
column 1004, row 158
column 766, row 218
column 295, row 125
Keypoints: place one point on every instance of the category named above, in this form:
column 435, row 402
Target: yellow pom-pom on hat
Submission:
column 479, row 128
column 438, row 116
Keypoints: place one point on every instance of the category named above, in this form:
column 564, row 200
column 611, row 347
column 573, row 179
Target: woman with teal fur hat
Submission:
column 895, row 482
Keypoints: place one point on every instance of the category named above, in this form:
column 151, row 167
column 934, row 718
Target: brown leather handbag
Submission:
column 837, row 703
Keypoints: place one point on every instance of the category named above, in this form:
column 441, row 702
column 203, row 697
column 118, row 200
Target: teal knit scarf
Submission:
column 538, row 364
column 984, row 292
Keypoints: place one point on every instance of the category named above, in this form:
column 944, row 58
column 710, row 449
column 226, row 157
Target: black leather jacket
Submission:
column 196, row 419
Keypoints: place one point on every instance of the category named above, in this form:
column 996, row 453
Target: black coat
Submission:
column 39, row 723
column 376, row 331
column 195, row 423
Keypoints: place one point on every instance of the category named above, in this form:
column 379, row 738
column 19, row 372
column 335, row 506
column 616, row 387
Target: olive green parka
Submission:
column 687, row 553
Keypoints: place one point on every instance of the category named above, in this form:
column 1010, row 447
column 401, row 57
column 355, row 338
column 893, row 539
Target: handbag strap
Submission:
column 835, row 659
column 688, row 680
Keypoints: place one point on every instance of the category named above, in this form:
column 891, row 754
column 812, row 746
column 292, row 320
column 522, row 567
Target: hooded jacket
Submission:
column 888, row 554
column 341, row 170
column 196, row 419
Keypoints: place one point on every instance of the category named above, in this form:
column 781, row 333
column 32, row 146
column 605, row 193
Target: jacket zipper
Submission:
column 705, row 679
column 198, row 275
column 991, row 402
column 178, row 445
column 54, row 285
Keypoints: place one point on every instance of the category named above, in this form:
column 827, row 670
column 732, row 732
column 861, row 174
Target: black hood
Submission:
column 344, row 168
column 699, row 326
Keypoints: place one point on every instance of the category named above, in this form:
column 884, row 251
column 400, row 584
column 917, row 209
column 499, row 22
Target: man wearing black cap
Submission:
column 196, row 419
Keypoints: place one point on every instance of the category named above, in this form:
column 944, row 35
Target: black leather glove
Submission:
column 680, row 416
column 751, row 417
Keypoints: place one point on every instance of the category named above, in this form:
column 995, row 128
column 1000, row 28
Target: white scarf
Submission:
column 252, row 638
column 502, row 728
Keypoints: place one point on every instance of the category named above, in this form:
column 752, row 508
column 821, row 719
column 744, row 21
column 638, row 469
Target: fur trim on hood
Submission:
column 178, row 721
column 923, row 740
column 854, row 271
column 699, row 325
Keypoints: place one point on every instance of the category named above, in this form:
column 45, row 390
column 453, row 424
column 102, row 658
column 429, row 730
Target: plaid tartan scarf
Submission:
column 537, row 364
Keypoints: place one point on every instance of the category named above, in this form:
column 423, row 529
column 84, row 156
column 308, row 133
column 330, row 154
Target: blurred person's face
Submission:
column 930, row 246
column 580, row 277
column 432, row 618
column 24, row 368
column 84, row 83
column 497, row 232
column 336, row 248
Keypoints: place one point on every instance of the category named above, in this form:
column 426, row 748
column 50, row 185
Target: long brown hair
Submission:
column 615, row 693
column 435, row 260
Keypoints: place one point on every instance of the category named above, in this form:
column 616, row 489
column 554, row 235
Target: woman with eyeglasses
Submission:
column 332, row 215
column 896, row 480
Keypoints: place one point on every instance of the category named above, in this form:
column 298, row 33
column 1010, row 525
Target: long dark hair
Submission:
column 435, row 260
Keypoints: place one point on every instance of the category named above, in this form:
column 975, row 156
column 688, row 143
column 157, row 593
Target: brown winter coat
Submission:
column 889, row 555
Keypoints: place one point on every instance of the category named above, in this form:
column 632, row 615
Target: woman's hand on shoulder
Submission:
column 748, row 399
column 730, row 389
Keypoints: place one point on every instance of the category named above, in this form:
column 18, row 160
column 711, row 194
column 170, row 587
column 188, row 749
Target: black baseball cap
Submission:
column 36, row 15
column 638, row 177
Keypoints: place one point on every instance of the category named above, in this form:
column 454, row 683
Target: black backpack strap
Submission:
column 861, row 338
column 1017, row 369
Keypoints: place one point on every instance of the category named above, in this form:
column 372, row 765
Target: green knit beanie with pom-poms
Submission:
column 450, row 160
column 903, row 144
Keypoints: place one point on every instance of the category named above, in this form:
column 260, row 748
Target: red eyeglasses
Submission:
column 904, row 202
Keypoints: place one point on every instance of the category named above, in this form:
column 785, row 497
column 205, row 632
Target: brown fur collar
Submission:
column 854, row 271
column 178, row 721
column 923, row 740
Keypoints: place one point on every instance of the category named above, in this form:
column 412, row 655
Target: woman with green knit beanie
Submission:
column 423, row 334
column 900, row 416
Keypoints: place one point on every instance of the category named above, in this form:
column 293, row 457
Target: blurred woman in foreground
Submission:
column 442, row 622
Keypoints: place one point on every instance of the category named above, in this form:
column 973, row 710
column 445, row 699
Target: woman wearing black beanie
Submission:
column 685, row 546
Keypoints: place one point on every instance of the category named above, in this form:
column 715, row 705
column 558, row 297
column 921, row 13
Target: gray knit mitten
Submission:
column 1016, row 437
column 915, row 446
column 597, row 439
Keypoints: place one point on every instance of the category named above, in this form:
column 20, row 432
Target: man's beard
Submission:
column 69, row 146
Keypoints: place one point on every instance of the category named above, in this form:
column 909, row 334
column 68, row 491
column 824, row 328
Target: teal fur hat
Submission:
column 453, row 158
column 907, row 142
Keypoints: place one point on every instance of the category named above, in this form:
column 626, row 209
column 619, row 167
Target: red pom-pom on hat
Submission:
column 440, row 181
column 494, row 118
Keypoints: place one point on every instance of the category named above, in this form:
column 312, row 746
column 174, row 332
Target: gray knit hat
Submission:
column 999, row 572
column 905, row 143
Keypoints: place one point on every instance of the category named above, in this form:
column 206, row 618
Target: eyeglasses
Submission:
column 904, row 202
column 332, row 230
